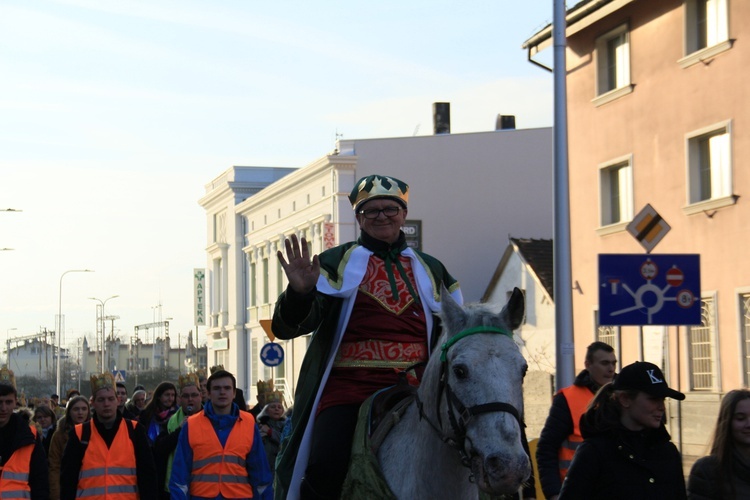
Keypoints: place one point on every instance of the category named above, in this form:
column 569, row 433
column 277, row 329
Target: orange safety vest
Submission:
column 14, row 479
column 216, row 470
column 578, row 399
column 108, row 473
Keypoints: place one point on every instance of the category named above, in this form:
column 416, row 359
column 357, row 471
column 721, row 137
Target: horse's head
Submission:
column 480, row 391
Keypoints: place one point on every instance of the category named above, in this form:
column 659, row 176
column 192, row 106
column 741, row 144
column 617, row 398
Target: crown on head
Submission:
column 264, row 387
column 379, row 186
column 7, row 377
column 274, row 397
column 201, row 373
column 216, row 368
column 188, row 379
column 102, row 381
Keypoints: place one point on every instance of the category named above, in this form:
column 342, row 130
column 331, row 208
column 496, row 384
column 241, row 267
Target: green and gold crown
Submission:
column 274, row 397
column 379, row 186
column 7, row 377
column 188, row 379
column 102, row 381
column 216, row 368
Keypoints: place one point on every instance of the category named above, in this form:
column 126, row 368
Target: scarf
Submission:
column 390, row 253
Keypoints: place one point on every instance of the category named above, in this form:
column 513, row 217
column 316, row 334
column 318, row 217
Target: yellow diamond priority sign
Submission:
column 648, row 228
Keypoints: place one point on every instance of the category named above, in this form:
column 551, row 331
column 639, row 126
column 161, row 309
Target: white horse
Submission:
column 464, row 431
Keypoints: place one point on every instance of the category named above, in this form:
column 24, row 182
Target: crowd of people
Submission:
column 110, row 446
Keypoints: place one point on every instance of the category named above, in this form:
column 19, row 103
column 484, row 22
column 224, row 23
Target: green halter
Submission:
column 471, row 331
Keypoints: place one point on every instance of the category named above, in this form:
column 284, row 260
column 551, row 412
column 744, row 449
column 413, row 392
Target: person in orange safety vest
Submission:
column 108, row 457
column 23, row 462
column 561, row 433
column 220, row 452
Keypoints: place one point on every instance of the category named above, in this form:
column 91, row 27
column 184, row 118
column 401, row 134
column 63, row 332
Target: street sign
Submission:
column 272, row 354
column 119, row 375
column 652, row 289
column 648, row 227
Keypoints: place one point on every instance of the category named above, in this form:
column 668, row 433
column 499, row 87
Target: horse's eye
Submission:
column 460, row 371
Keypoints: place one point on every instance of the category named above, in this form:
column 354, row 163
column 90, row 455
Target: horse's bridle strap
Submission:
column 471, row 331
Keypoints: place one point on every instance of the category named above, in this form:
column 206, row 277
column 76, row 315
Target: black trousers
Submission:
column 330, row 452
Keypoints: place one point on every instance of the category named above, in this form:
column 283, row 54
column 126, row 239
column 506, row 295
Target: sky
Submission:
column 114, row 115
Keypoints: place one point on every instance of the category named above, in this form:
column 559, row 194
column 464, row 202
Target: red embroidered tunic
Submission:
column 385, row 334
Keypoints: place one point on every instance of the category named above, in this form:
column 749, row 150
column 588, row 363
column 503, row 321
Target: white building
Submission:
column 467, row 193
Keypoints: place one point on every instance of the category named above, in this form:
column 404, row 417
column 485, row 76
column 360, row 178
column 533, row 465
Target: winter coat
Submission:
column 705, row 481
column 617, row 463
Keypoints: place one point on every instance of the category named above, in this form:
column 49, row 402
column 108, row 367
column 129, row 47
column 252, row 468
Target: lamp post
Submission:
column 7, row 344
column 104, row 329
column 59, row 320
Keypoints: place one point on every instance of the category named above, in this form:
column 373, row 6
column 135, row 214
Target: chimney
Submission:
column 441, row 117
column 505, row 122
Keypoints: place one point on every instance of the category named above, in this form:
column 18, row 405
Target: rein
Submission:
column 458, row 414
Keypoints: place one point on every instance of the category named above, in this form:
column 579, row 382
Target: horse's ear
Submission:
column 515, row 309
column 452, row 314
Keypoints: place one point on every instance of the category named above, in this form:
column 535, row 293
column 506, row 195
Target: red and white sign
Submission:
column 675, row 276
column 329, row 235
column 649, row 270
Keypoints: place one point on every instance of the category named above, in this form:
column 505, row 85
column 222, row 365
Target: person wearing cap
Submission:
column 370, row 305
column 627, row 452
column 108, row 453
column 23, row 462
column 190, row 401
column 561, row 433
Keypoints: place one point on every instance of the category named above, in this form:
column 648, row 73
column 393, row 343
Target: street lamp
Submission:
column 104, row 329
column 59, row 321
column 7, row 343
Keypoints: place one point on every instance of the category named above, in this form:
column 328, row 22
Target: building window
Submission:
column 253, row 285
column 701, row 349
column 610, row 335
column 616, row 192
column 266, row 279
column 613, row 60
column 706, row 24
column 709, row 165
column 745, row 326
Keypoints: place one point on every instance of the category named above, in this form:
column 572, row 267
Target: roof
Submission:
column 538, row 254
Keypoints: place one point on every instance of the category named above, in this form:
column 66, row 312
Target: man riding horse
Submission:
column 370, row 304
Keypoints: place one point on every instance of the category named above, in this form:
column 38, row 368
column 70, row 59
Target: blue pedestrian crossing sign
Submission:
column 119, row 375
column 272, row 354
column 652, row 289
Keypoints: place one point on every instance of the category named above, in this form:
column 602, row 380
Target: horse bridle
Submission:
column 458, row 414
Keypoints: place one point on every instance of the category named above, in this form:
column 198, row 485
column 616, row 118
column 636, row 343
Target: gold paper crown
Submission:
column 216, row 368
column 379, row 186
column 102, row 381
column 264, row 387
column 201, row 373
column 274, row 397
column 188, row 379
column 7, row 377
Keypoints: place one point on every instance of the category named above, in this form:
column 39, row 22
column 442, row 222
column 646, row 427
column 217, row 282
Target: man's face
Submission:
column 382, row 227
column 602, row 367
column 221, row 393
column 105, row 405
column 190, row 399
column 122, row 396
column 7, row 405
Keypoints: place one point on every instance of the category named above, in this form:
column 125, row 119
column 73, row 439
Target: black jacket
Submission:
column 706, row 483
column 557, row 428
column 617, row 463
column 20, row 435
column 144, row 462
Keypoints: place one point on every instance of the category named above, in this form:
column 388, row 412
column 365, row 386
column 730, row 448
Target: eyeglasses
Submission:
column 374, row 213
